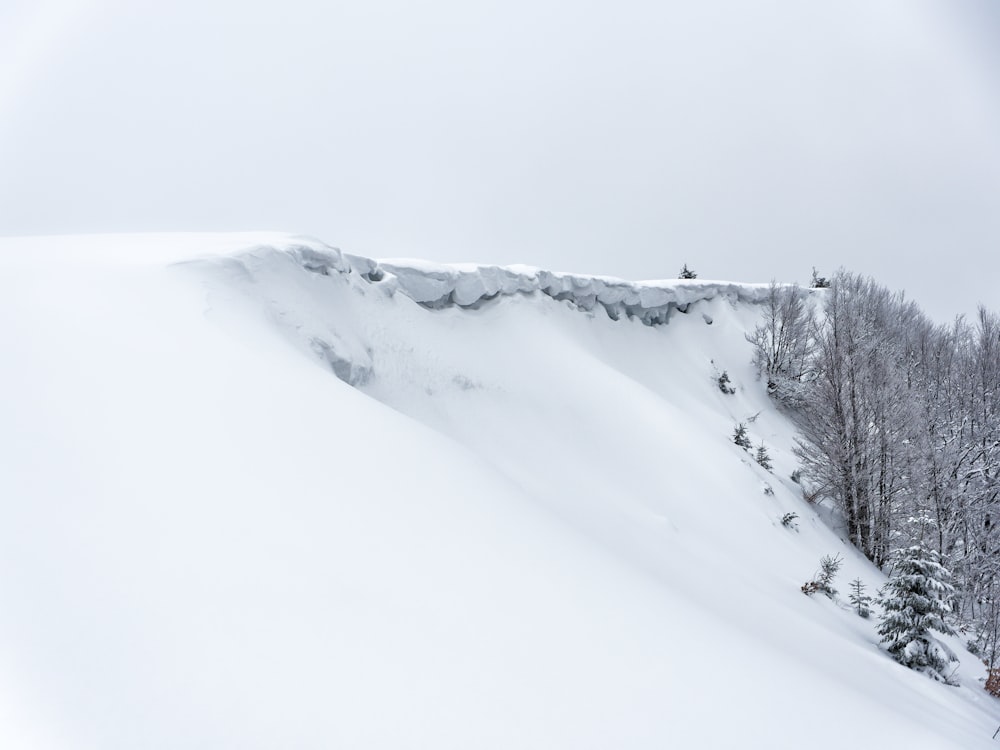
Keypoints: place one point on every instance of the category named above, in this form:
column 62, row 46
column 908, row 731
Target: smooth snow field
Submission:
column 258, row 494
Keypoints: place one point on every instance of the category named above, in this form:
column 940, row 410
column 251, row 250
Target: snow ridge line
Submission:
column 437, row 286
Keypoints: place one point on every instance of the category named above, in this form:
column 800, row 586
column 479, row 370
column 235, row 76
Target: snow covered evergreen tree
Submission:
column 915, row 602
column 687, row 273
column 740, row 437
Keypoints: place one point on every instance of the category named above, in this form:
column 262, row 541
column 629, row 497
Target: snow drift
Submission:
column 258, row 493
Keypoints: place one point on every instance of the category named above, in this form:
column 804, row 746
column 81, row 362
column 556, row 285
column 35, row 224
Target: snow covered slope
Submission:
column 258, row 494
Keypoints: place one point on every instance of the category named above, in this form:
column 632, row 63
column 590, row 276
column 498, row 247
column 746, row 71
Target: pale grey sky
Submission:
column 749, row 140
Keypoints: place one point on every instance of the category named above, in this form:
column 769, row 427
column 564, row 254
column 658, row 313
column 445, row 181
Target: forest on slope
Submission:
column 899, row 419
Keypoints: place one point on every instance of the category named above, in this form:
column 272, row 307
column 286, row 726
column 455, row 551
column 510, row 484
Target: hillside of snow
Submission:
column 257, row 493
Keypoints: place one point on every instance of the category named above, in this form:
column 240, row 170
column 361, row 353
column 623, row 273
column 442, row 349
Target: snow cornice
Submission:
column 468, row 286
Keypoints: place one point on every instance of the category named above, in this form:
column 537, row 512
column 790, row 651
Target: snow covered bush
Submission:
column 788, row 521
column 915, row 602
column 819, row 282
column 724, row 384
column 823, row 581
column 687, row 273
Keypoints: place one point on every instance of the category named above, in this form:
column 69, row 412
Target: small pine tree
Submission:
column 724, row 384
column 915, row 602
column 763, row 458
column 687, row 273
column 859, row 599
column 741, row 438
column 829, row 567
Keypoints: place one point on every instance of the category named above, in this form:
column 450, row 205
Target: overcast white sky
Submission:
column 749, row 140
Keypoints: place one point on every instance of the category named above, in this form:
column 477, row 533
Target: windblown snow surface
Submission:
column 258, row 494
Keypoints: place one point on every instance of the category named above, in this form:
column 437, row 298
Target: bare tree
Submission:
column 781, row 340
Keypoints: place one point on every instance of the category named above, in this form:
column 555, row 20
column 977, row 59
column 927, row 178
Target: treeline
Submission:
column 899, row 417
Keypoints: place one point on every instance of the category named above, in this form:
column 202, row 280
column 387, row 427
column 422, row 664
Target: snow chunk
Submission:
column 322, row 259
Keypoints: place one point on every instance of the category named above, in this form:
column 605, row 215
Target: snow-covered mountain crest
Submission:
column 465, row 286
column 259, row 493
